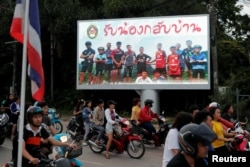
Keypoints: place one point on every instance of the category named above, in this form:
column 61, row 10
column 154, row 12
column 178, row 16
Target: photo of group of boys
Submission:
column 107, row 65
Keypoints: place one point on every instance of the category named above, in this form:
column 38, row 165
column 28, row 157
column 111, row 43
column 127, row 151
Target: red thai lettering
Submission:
column 186, row 25
column 195, row 27
column 132, row 30
column 176, row 27
column 108, row 29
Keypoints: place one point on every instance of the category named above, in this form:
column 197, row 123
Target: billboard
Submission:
column 144, row 53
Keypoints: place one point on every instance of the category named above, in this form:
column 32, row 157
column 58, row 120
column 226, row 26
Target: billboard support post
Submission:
column 154, row 95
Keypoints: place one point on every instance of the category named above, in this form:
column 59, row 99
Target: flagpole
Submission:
column 23, row 84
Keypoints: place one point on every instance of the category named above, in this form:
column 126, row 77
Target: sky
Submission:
column 246, row 7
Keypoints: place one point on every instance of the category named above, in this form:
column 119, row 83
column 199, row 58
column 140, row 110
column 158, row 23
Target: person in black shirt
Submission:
column 142, row 60
column 117, row 57
column 34, row 135
column 194, row 140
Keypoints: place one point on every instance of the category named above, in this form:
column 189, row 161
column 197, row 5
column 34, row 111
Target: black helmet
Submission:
column 111, row 102
column 192, row 134
column 87, row 43
column 32, row 111
column 148, row 102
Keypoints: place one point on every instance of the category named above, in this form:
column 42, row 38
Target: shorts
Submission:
column 99, row 72
column 109, row 67
column 116, row 67
column 162, row 70
column 14, row 118
column 87, row 68
column 110, row 128
column 128, row 71
column 198, row 71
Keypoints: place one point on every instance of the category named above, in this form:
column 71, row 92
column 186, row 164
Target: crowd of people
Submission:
column 118, row 64
column 187, row 143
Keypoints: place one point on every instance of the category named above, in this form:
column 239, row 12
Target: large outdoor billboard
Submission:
column 144, row 53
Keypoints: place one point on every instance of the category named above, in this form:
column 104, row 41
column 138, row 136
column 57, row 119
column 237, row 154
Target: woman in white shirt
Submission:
column 171, row 147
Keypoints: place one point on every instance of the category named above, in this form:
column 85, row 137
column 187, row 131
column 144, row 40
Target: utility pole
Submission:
column 213, row 23
column 13, row 43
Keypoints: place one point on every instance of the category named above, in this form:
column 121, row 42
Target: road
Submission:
column 151, row 158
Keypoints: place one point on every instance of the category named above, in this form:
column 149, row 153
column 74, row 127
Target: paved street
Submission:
column 151, row 158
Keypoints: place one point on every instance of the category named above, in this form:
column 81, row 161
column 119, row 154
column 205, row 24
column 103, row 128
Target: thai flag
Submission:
column 34, row 44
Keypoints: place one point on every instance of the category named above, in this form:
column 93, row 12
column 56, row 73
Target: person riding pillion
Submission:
column 146, row 116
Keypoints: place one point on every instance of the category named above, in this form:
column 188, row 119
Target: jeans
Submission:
column 150, row 128
column 101, row 131
column 86, row 127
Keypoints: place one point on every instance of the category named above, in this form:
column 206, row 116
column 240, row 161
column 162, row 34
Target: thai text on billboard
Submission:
column 144, row 53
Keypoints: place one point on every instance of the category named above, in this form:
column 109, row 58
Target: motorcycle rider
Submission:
column 78, row 111
column 136, row 109
column 194, row 140
column 111, row 125
column 145, row 118
column 34, row 134
column 98, row 118
column 86, row 115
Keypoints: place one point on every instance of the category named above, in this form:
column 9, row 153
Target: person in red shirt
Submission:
column 173, row 61
column 160, row 60
column 145, row 117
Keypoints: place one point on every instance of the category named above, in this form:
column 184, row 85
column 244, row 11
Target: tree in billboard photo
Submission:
column 127, row 51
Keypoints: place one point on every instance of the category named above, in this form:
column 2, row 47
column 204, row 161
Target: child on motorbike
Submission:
column 86, row 115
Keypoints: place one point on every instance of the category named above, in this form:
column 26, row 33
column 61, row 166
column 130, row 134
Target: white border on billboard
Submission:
column 179, row 29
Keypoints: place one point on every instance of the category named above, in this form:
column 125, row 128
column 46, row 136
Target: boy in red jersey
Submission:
column 160, row 60
column 173, row 62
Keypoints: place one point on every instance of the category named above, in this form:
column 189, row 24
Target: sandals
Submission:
column 107, row 156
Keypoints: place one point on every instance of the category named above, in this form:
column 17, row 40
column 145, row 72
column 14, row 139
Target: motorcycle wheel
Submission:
column 136, row 149
column 58, row 126
column 94, row 148
column 2, row 140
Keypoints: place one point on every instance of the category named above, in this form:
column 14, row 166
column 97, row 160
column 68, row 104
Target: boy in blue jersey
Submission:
column 198, row 61
column 187, row 53
column 100, row 61
column 179, row 52
column 129, row 61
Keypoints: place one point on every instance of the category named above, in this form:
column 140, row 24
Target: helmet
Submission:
column 148, row 102
column 32, row 111
column 87, row 43
column 214, row 105
column 192, row 134
column 197, row 46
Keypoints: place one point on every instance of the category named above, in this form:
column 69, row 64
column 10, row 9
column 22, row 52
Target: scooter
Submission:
column 4, row 126
column 161, row 133
column 55, row 118
column 126, row 141
column 68, row 153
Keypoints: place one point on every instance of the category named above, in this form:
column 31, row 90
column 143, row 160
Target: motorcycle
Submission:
column 4, row 126
column 55, row 118
column 241, row 140
column 161, row 133
column 68, row 153
column 126, row 141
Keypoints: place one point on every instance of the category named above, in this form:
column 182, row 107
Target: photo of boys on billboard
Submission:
column 123, row 66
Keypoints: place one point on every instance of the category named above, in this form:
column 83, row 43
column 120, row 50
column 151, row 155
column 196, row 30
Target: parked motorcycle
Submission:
column 68, row 153
column 126, row 141
column 161, row 133
column 55, row 118
column 4, row 126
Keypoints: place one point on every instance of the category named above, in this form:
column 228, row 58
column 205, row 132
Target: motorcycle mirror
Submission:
column 63, row 139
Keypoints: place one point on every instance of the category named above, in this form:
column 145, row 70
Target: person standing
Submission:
column 87, row 63
column 187, row 53
column 129, row 61
column 86, row 115
column 117, row 57
column 109, row 63
column 100, row 61
column 160, row 60
column 173, row 63
column 142, row 60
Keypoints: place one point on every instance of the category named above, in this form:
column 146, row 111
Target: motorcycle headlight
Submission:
column 64, row 139
column 4, row 118
column 57, row 115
